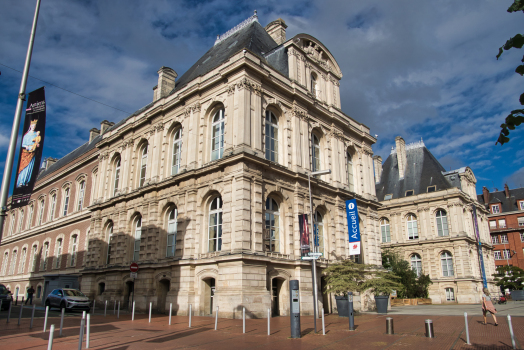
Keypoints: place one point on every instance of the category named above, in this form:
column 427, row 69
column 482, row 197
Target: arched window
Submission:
column 271, row 137
column 143, row 165
column 171, row 232
column 272, row 225
column 45, row 255
column 66, row 201
column 30, row 217
column 384, row 228
column 215, row 225
column 41, row 212
column 416, row 264
column 12, row 224
column 33, row 258
column 350, row 170
column 4, row 264
column 217, row 136
column 319, row 232
column 81, row 194
column 52, row 207
column 21, row 221
column 177, row 151
column 58, row 253
column 315, row 153
column 23, row 257
column 138, row 236
column 314, row 84
column 412, row 227
column 13, row 262
column 74, row 249
column 117, row 176
column 442, row 223
column 109, row 237
column 447, row 264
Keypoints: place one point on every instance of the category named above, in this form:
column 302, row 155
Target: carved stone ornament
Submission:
column 159, row 126
column 196, row 107
column 231, row 89
column 298, row 112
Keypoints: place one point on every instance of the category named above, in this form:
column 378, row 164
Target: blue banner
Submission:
column 353, row 227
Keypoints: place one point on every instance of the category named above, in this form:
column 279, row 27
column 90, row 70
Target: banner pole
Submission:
column 6, row 182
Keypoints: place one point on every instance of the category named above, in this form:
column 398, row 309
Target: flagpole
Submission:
column 16, row 125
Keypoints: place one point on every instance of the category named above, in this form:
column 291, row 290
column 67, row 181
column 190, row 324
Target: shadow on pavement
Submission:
column 178, row 335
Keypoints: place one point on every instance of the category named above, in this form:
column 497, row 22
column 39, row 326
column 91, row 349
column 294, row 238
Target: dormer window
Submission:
column 521, row 205
column 410, row 193
column 432, row 188
column 388, row 197
column 495, row 209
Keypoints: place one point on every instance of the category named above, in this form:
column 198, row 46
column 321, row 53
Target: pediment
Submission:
column 317, row 52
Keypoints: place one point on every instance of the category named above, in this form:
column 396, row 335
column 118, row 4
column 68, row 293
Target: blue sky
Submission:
column 418, row 69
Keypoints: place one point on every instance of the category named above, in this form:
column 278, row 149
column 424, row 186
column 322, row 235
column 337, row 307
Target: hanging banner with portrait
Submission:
column 353, row 227
column 479, row 245
column 303, row 226
column 31, row 148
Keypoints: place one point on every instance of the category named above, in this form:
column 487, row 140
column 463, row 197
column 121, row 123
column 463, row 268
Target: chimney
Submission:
column 277, row 30
column 50, row 161
column 485, row 193
column 104, row 125
column 401, row 156
column 506, row 189
column 166, row 83
column 93, row 133
column 377, row 161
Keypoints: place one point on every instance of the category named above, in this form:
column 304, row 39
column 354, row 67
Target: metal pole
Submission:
column 389, row 326
column 16, row 125
column 190, row 315
column 511, row 332
column 88, row 330
column 323, row 324
column 216, row 319
column 313, row 261
column 114, row 308
column 118, row 312
column 93, row 311
column 150, row 307
column 429, row 328
column 50, row 342
column 105, row 309
column 61, row 322
column 467, row 329
column 133, row 314
column 244, row 320
column 20, row 313
column 45, row 319
column 81, row 335
column 32, row 317
column 268, row 322
column 170, row 310
column 9, row 312
column 350, row 312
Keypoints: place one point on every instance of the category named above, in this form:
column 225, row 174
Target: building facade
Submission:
column 428, row 217
column 203, row 186
column 506, row 224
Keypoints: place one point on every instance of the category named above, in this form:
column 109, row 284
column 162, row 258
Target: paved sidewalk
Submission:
column 513, row 308
column 124, row 334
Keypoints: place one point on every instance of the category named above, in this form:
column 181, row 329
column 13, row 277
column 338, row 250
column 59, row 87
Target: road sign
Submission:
column 134, row 274
column 133, row 267
column 314, row 254
column 310, row 257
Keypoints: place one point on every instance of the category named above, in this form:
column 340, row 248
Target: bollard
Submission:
column 467, row 329
column 268, row 321
column 22, row 300
column 61, row 322
column 45, row 319
column 429, row 329
column 323, row 324
column 133, row 314
column 389, row 326
column 20, row 313
column 118, row 312
column 32, row 317
column 50, row 342
column 9, row 312
column 350, row 312
column 16, row 301
column 170, row 311
column 150, row 307
column 216, row 319
column 294, row 309
column 244, row 319
column 114, row 308
column 88, row 330
column 190, row 315
column 511, row 332
column 81, row 335
column 105, row 310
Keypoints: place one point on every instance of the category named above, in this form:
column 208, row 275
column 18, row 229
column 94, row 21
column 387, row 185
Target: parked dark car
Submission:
column 5, row 297
column 69, row 299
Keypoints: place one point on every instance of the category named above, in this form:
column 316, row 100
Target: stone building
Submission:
column 427, row 216
column 506, row 224
column 203, row 186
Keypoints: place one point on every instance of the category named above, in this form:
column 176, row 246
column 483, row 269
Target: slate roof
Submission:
column 507, row 204
column 422, row 170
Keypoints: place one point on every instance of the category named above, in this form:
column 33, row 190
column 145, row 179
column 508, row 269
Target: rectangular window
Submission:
column 493, row 224
column 41, row 212
column 74, row 249
column 13, row 262
column 33, row 262
column 44, row 256
column 136, row 249
column 82, row 189
column 386, row 234
column 30, row 219
column 410, row 193
column 506, row 254
column 497, row 255
column 432, row 188
column 521, row 221
column 521, row 205
column 503, row 238
column 522, row 236
column 502, row 223
column 58, row 253
column 66, row 201
column 171, row 236
column 495, row 209
column 412, row 230
column 494, row 239
column 52, row 208
column 22, row 261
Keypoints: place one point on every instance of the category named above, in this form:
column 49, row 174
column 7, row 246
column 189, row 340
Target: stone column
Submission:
column 257, row 117
column 241, row 212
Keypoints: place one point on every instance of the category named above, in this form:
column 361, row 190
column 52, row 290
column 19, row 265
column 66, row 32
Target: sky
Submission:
column 411, row 68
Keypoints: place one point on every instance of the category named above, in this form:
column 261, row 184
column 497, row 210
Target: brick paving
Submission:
column 124, row 334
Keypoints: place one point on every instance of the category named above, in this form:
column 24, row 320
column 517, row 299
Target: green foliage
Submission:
column 348, row 276
column 516, row 117
column 511, row 277
column 413, row 286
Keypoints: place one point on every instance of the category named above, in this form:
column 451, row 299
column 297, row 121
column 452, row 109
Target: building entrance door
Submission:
column 163, row 288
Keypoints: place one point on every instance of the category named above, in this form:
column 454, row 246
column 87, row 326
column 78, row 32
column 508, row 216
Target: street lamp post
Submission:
column 314, row 260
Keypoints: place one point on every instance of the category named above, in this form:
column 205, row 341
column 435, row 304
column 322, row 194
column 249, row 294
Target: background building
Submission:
column 427, row 216
column 506, row 224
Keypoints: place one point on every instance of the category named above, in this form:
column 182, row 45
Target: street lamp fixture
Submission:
column 314, row 261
